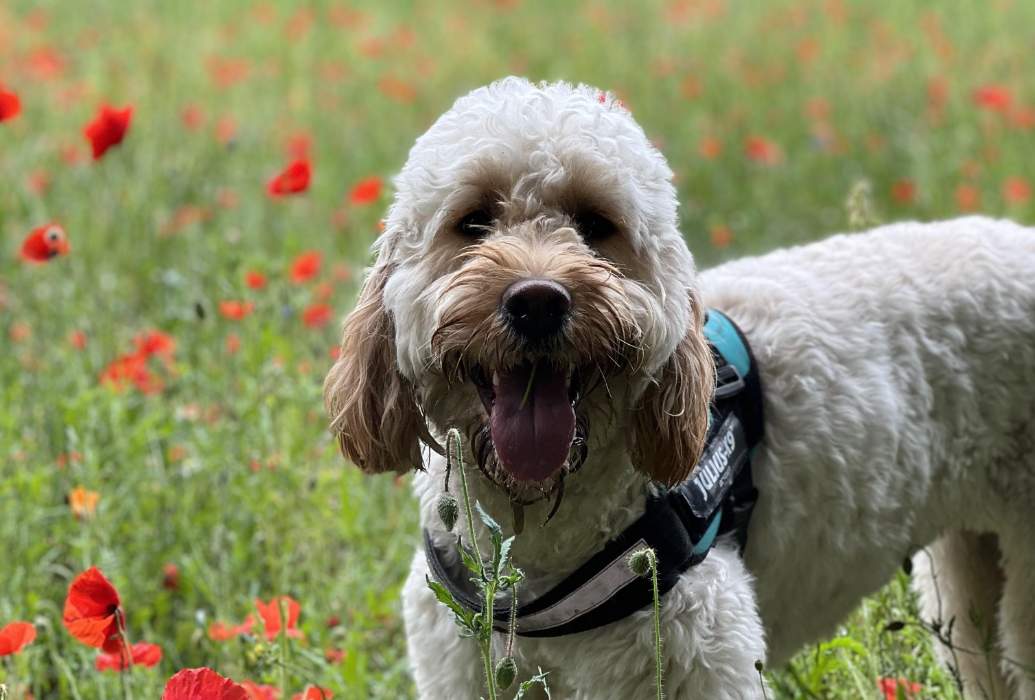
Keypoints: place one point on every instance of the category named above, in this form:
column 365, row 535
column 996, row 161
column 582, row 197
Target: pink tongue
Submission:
column 532, row 434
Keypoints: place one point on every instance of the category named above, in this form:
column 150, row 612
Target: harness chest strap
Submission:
column 681, row 525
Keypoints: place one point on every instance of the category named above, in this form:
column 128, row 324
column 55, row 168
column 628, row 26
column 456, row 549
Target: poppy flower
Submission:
column 220, row 631
column 154, row 342
column 254, row 279
column 170, row 576
column 313, row 692
column 202, row 684
column 995, row 98
column 77, row 339
column 91, row 611
column 299, row 145
column 10, row 105
column 366, row 191
column 1016, row 190
column 192, row 116
column 317, row 315
column 890, row 686
column 306, row 266
column 107, row 129
column 721, row 236
column 271, row 619
column 43, row 243
column 235, row 310
column 233, row 343
column 762, row 150
column 903, row 191
column 83, row 502
column 968, row 197
column 131, row 369
column 335, row 656
column 141, row 654
column 15, row 636
column 292, row 179
column 257, row 691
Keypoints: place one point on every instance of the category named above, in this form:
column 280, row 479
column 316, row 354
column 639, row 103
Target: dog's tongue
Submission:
column 532, row 421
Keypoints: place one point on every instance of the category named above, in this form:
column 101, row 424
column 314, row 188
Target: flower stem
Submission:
column 659, row 676
column 125, row 653
column 453, row 436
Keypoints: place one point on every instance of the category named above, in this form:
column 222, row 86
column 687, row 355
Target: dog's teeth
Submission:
column 495, row 379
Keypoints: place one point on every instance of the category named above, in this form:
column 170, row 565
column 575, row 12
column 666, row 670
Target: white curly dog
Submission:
column 532, row 289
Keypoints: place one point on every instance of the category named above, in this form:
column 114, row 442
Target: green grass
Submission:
column 843, row 89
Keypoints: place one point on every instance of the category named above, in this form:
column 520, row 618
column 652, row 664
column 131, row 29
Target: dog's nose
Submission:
column 536, row 308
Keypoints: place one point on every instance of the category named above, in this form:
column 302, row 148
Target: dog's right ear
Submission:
column 372, row 407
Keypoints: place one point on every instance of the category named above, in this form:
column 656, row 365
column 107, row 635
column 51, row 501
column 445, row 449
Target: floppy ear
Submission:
column 372, row 407
column 670, row 423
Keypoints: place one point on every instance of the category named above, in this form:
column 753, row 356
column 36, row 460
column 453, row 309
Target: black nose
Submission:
column 535, row 308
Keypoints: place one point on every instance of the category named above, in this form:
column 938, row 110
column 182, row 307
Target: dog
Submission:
column 532, row 289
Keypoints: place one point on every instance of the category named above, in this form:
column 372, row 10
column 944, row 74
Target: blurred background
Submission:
column 160, row 408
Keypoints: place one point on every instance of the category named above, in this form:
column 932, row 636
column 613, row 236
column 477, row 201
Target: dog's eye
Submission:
column 476, row 224
column 594, row 227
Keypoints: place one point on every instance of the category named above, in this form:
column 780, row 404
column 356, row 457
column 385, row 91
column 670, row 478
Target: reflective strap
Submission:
column 587, row 597
column 708, row 539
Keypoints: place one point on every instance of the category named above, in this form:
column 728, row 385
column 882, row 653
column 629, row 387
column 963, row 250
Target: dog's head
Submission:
column 531, row 285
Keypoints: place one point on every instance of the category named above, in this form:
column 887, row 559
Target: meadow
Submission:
column 160, row 381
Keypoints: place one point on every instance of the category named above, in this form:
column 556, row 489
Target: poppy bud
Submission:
column 506, row 672
column 642, row 561
column 448, row 510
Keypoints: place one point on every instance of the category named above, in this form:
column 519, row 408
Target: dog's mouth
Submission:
column 532, row 422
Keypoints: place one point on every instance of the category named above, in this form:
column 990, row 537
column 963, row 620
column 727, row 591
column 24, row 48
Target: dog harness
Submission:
column 680, row 524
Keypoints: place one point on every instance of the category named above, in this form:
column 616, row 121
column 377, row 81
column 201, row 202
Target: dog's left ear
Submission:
column 372, row 407
column 670, row 423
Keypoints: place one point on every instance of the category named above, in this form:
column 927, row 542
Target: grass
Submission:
column 769, row 116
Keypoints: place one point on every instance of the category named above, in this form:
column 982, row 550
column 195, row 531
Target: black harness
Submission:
column 680, row 524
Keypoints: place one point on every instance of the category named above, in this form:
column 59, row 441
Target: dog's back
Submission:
column 898, row 369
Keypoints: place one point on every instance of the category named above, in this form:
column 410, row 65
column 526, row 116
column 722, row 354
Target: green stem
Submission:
column 453, row 436
column 126, row 653
column 659, row 676
column 282, row 642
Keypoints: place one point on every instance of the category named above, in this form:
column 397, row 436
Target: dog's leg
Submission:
column 959, row 578
column 444, row 666
column 1017, row 611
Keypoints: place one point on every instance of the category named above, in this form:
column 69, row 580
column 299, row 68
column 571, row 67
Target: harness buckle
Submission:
column 728, row 382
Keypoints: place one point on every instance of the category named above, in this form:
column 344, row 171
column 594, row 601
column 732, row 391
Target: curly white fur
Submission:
column 897, row 368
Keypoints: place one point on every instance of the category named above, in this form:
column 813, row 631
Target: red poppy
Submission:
column 170, row 576
column 335, row 656
column 903, row 191
column 762, row 150
column 43, row 243
column 298, row 145
column 890, row 686
column 996, row 98
column 226, row 129
column 155, row 343
column 233, row 343
column 366, row 191
column 14, row 636
column 306, row 266
column 317, row 315
column 255, row 279
column 10, row 105
column 1016, row 190
column 313, row 692
column 141, row 654
column 131, row 369
column 721, row 236
column 271, row 619
column 292, row 180
column 202, row 684
column 192, row 116
column 77, row 339
column 236, row 310
column 968, row 197
column 92, row 609
column 257, row 691
column 220, row 631
column 107, row 129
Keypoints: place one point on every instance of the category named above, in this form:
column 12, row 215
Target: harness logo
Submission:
column 715, row 466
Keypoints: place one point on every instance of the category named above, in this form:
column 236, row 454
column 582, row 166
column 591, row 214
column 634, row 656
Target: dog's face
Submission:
column 531, row 286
